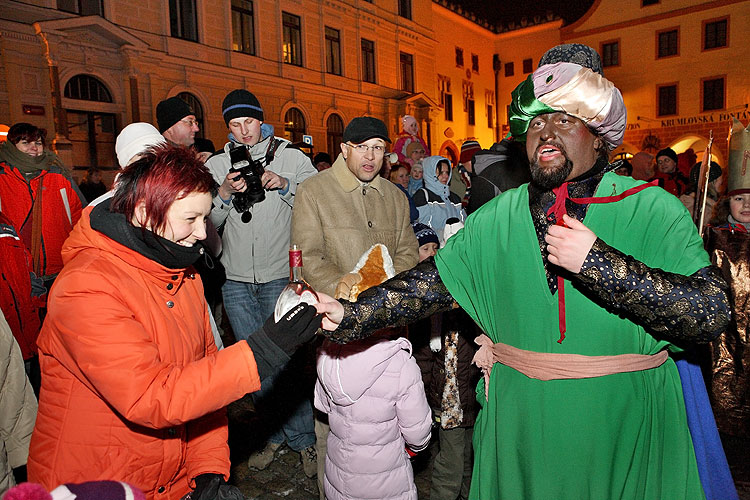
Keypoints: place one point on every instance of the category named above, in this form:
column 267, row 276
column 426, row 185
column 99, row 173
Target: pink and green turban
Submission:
column 574, row 90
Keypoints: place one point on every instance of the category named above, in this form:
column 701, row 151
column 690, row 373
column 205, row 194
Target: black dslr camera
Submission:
column 251, row 171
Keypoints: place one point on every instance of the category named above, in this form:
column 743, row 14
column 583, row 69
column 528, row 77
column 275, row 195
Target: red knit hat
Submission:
column 468, row 150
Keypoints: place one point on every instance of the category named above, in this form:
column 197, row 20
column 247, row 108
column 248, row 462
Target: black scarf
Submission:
column 147, row 243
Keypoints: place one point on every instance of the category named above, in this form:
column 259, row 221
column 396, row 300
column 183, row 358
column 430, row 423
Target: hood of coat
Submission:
column 431, row 181
column 347, row 371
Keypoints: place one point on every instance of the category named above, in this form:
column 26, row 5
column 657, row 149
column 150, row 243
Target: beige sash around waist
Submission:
column 557, row 366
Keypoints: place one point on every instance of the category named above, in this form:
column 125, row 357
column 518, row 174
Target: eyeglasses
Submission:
column 190, row 122
column 364, row 148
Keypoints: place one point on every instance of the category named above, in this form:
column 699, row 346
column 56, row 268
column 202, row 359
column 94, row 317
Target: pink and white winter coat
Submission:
column 373, row 394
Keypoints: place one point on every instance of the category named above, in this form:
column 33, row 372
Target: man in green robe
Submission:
column 582, row 281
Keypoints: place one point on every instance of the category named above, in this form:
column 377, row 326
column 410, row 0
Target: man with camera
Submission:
column 258, row 176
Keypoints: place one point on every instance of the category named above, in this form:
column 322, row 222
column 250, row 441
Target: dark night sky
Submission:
column 502, row 11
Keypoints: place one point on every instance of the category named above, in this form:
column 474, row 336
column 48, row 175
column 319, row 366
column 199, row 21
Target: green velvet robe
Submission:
column 621, row 436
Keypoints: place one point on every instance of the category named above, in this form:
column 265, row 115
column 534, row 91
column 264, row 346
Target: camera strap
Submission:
column 271, row 151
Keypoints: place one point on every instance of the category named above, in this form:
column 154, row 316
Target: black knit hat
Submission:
column 322, row 156
column 714, row 173
column 363, row 128
column 202, row 145
column 425, row 234
column 669, row 153
column 170, row 111
column 240, row 103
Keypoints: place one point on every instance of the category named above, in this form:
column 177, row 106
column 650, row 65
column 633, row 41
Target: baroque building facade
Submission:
column 83, row 69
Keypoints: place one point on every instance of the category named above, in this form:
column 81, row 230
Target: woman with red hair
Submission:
column 133, row 387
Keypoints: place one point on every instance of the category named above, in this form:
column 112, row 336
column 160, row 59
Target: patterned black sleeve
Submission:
column 407, row 297
column 671, row 306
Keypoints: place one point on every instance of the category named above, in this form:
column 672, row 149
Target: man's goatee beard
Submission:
column 548, row 180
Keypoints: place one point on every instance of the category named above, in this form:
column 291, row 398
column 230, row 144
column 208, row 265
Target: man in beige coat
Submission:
column 342, row 212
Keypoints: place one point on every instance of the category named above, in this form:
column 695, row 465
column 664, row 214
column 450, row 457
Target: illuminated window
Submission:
column 294, row 125
column 368, row 61
column 668, row 43
column 183, row 19
column 713, row 94
column 667, row 100
column 292, row 48
column 509, row 69
column 459, row 57
column 86, row 88
column 407, row 71
column 82, row 7
column 715, row 34
column 243, row 29
column 610, row 54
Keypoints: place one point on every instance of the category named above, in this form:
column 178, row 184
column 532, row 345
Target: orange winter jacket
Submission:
column 133, row 388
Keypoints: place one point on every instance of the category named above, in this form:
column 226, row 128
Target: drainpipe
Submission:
column 496, row 67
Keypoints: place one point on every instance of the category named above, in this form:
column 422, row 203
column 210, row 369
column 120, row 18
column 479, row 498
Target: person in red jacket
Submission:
column 133, row 387
column 39, row 197
column 21, row 295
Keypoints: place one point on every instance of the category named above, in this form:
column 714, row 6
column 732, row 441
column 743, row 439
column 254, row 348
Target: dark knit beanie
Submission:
column 240, row 103
column 425, row 234
column 468, row 150
column 202, row 145
column 714, row 172
column 322, row 156
column 668, row 152
column 170, row 111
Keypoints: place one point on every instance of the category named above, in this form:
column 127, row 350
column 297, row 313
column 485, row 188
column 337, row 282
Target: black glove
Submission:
column 274, row 343
column 213, row 487
column 294, row 328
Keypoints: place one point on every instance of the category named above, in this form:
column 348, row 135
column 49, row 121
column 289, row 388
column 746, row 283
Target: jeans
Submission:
column 249, row 305
column 282, row 401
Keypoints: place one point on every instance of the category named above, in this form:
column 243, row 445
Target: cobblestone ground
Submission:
column 284, row 477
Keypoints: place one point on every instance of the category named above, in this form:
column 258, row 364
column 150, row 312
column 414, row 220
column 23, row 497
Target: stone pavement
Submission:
column 284, row 477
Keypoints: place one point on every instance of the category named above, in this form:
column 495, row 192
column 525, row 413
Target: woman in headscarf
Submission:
column 435, row 202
